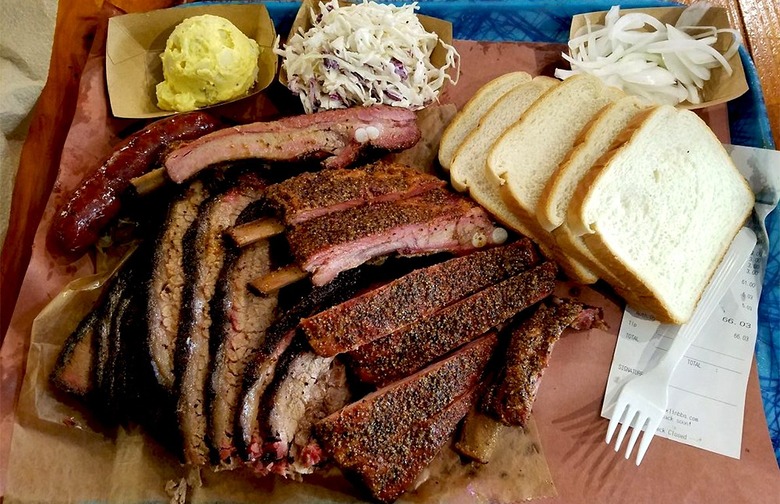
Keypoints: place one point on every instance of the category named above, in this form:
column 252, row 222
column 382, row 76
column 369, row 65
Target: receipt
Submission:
column 707, row 392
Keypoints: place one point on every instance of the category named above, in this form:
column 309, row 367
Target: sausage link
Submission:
column 93, row 205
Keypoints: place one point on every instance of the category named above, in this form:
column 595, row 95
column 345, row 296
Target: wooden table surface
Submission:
column 757, row 20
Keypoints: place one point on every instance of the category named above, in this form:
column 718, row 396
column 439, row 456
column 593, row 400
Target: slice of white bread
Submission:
column 527, row 154
column 595, row 141
column 468, row 117
column 660, row 210
column 467, row 170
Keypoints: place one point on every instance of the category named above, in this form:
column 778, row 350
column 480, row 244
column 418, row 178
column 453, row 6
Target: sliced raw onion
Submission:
column 641, row 55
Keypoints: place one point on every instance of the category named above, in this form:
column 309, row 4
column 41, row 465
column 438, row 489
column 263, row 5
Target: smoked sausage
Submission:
column 93, row 205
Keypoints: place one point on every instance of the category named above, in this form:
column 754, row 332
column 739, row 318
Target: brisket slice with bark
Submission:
column 73, row 372
column 407, row 350
column 335, row 137
column 204, row 258
column 167, row 281
column 305, row 389
column 416, row 295
column 435, row 221
column 262, row 365
column 313, row 194
column 389, row 436
column 511, row 396
column 241, row 319
column 84, row 366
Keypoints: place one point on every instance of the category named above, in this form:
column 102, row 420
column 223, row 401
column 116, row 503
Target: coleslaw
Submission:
column 365, row 54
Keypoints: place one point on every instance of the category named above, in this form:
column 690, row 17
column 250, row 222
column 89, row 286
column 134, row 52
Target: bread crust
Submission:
column 637, row 288
column 613, row 115
column 491, row 91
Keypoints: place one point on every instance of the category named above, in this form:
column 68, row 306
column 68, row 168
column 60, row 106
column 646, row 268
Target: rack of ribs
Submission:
column 336, row 138
column 314, row 194
column 414, row 296
column 435, row 221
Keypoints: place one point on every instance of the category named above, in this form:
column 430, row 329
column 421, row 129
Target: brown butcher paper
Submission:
column 59, row 453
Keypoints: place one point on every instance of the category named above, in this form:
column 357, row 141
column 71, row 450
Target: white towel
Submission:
column 26, row 36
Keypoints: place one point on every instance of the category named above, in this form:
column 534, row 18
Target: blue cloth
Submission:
column 549, row 21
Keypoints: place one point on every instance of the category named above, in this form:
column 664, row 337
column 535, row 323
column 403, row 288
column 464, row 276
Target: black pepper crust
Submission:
column 205, row 254
column 396, row 420
column 167, row 280
column 405, row 351
column 317, row 193
column 399, row 463
column 326, row 233
column 414, row 296
column 510, row 398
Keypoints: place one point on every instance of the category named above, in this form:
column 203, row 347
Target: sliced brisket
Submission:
column 335, row 137
column 305, row 389
column 105, row 338
column 510, row 398
column 407, row 350
column 435, row 221
column 390, row 435
column 240, row 322
column 167, row 281
column 261, row 368
column 414, row 296
column 73, row 372
column 204, row 259
column 310, row 195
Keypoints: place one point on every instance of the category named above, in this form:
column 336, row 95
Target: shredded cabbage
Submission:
column 664, row 64
column 365, row 54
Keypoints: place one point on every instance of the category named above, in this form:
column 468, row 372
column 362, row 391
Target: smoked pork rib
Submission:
column 435, row 221
column 416, row 295
column 240, row 324
column 378, row 426
column 336, row 137
column 511, row 396
column 313, row 194
column 206, row 256
column 407, row 350
column 167, row 281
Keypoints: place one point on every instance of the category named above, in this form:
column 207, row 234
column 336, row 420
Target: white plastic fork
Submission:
column 645, row 397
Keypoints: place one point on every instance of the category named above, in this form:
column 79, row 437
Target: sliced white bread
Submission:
column 467, row 170
column 660, row 210
column 527, row 154
column 594, row 142
column 468, row 117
